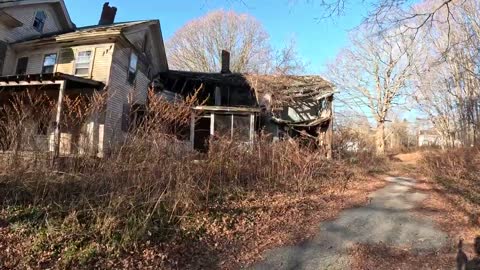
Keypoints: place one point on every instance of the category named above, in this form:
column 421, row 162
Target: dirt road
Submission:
column 388, row 219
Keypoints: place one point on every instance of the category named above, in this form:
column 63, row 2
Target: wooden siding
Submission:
column 100, row 67
column 26, row 15
column 122, row 93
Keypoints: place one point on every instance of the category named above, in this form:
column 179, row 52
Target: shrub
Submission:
column 457, row 170
column 84, row 207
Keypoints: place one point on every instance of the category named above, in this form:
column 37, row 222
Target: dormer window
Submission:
column 39, row 21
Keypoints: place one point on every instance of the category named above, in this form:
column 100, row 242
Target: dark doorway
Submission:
column 202, row 134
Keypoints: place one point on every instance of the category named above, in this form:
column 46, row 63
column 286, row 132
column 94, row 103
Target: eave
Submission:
column 8, row 20
column 69, row 39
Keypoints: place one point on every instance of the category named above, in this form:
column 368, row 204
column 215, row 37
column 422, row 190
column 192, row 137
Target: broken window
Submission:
column 42, row 127
column 241, row 127
column 137, row 116
column 232, row 126
column 223, row 125
column 22, row 64
column 39, row 21
column 132, row 68
column 49, row 63
column 82, row 63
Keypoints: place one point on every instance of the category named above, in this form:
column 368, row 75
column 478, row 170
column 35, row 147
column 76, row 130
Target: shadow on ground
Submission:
column 388, row 219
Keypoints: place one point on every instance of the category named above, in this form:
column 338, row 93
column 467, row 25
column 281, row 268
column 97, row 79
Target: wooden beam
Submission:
column 212, row 124
column 329, row 134
column 192, row 130
column 252, row 127
column 58, row 117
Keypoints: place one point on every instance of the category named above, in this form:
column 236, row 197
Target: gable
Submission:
column 21, row 19
column 147, row 39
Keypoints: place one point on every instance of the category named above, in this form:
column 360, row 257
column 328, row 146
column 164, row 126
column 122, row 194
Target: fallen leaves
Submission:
column 229, row 234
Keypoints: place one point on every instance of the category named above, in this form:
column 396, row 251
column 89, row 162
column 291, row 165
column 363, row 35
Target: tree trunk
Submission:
column 380, row 138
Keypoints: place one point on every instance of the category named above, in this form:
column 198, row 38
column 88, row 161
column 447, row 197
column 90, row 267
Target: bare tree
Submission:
column 448, row 79
column 197, row 46
column 372, row 74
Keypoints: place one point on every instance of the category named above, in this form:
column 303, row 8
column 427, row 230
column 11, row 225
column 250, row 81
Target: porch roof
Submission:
column 72, row 81
column 225, row 109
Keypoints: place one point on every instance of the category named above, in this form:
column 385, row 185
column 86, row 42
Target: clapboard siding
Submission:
column 137, row 38
column 9, row 63
column 100, row 68
column 122, row 93
column 26, row 15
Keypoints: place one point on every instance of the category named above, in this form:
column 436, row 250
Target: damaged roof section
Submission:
column 285, row 89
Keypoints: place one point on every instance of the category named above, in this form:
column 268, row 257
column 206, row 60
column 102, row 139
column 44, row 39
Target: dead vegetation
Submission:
column 458, row 172
column 154, row 202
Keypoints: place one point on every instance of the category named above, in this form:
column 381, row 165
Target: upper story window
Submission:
column 49, row 63
column 39, row 21
column 82, row 63
column 22, row 64
column 132, row 68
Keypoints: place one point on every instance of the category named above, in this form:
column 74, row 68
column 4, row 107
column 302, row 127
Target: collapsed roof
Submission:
column 282, row 89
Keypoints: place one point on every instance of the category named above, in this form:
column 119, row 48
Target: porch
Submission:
column 210, row 122
column 52, row 113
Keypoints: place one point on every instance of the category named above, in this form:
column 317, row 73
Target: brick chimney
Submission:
column 225, row 62
column 108, row 14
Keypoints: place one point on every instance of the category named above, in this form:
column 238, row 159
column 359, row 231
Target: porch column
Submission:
column 192, row 130
column 252, row 127
column 56, row 135
column 329, row 133
column 212, row 125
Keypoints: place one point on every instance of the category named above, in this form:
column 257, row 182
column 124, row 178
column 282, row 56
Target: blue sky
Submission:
column 317, row 41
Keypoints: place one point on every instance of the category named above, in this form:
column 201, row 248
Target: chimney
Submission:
column 225, row 62
column 108, row 14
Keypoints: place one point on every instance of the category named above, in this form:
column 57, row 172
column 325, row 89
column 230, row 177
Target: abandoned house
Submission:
column 241, row 106
column 43, row 52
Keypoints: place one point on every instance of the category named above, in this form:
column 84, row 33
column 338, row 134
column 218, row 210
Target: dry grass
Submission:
column 457, row 173
column 153, row 202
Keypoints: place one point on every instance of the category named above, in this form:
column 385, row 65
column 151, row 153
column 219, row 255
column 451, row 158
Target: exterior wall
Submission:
column 149, row 41
column 122, row 94
column 26, row 15
column 99, row 68
column 429, row 140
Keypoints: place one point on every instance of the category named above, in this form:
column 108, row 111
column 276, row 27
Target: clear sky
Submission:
column 318, row 41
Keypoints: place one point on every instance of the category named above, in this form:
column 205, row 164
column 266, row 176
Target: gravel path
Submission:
column 386, row 219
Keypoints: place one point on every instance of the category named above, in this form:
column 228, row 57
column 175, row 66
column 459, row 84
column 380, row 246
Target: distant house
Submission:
column 240, row 106
column 42, row 50
column 429, row 138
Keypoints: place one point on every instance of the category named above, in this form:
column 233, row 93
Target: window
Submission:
column 125, row 117
column 132, row 68
column 22, row 64
column 42, row 127
column 82, row 63
column 49, row 63
column 39, row 21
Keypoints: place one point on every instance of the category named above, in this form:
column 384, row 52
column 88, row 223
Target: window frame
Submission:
column 18, row 63
column 39, row 20
column 76, row 63
column 54, row 64
column 132, row 74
